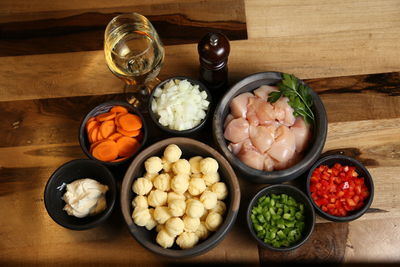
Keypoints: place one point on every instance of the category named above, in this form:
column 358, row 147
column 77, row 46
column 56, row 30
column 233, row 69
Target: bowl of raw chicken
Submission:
column 271, row 127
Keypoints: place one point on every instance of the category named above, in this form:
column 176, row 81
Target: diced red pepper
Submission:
column 338, row 190
column 357, row 189
column 356, row 199
column 314, row 179
column 337, row 166
column 351, row 202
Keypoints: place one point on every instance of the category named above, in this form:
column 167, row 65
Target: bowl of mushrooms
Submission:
column 179, row 197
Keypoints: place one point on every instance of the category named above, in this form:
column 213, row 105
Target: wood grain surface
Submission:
column 53, row 71
column 72, row 31
column 22, row 7
column 314, row 17
column 85, row 73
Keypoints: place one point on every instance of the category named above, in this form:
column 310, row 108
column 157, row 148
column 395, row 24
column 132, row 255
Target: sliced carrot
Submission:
column 119, row 109
column 106, row 116
column 127, row 133
column 100, row 136
column 93, row 134
column 115, row 136
column 106, row 150
column 130, row 122
column 119, row 159
column 117, row 119
column 127, row 146
column 94, row 145
column 107, row 128
column 90, row 124
column 112, row 134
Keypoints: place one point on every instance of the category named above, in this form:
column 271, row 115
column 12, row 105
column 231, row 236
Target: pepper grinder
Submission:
column 213, row 51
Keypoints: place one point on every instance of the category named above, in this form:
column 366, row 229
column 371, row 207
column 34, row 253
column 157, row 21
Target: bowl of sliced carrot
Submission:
column 112, row 133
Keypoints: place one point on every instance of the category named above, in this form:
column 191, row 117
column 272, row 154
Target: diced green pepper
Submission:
column 278, row 220
column 272, row 211
column 258, row 227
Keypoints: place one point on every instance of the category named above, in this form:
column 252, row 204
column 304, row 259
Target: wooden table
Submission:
column 53, row 71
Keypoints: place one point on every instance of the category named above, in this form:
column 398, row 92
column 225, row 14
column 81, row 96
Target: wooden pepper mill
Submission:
column 213, row 51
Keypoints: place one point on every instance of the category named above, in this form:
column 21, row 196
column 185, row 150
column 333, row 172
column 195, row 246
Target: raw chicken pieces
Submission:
column 228, row 119
column 237, row 130
column 265, row 113
column 250, row 156
column 264, row 90
column 284, row 146
column 252, row 107
column 265, row 136
column 302, row 134
column 269, row 163
column 284, row 112
column 262, row 137
column 239, row 105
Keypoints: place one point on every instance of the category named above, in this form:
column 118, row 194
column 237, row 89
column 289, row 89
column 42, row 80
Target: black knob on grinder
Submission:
column 213, row 51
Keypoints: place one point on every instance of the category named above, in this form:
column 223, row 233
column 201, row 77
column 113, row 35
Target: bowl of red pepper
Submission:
column 340, row 188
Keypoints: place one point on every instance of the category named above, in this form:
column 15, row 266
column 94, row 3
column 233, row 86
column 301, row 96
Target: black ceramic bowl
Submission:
column 362, row 172
column 189, row 149
column 187, row 132
column 300, row 197
column 249, row 84
column 67, row 173
column 102, row 108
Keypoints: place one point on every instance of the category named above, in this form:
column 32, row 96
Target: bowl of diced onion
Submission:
column 180, row 105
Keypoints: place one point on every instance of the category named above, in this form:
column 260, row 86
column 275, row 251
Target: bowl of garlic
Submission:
column 179, row 197
column 180, row 105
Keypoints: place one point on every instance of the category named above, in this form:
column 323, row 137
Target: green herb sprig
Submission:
column 298, row 94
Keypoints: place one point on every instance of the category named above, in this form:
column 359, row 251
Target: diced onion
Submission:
column 180, row 105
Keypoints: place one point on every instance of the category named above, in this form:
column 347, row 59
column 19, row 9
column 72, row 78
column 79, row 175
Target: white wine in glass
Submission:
column 134, row 53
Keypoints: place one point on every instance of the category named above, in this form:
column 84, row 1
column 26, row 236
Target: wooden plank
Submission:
column 21, row 6
column 371, row 242
column 326, row 244
column 277, row 18
column 361, row 97
column 153, row 7
column 375, row 142
column 325, row 55
column 319, row 55
column 46, row 121
column 72, row 31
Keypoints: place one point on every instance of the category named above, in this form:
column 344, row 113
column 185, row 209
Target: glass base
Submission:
column 138, row 95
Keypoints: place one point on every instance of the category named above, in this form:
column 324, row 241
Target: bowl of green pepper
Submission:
column 280, row 217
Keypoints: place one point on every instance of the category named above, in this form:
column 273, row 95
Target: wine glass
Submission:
column 134, row 53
